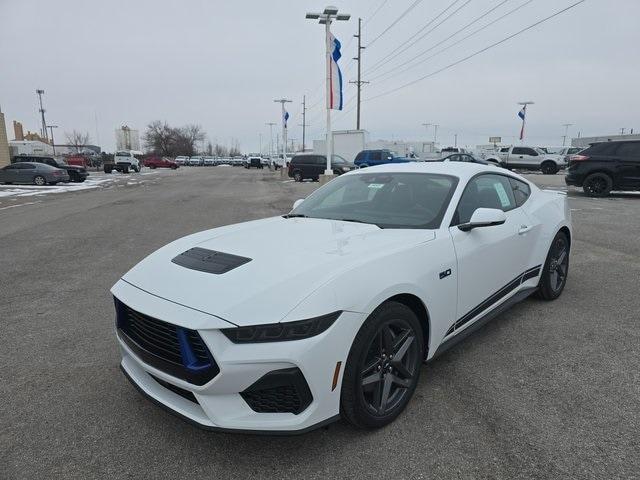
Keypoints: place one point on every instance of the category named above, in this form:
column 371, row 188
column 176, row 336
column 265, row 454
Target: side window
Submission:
column 359, row 157
column 519, row 151
column 320, row 160
column 504, row 150
column 629, row 149
column 375, row 156
column 484, row 191
column 521, row 191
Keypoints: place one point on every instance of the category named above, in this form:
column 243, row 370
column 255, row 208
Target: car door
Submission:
column 375, row 158
column 24, row 173
column 628, row 157
column 490, row 260
column 525, row 157
column 319, row 165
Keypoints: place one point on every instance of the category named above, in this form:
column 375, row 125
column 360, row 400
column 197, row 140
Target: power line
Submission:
column 468, row 57
column 384, row 2
column 399, row 72
column 402, row 15
column 390, row 54
column 488, row 12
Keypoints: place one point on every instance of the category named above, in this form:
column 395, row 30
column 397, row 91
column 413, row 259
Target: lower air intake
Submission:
column 280, row 391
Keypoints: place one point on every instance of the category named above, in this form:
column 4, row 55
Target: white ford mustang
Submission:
column 385, row 268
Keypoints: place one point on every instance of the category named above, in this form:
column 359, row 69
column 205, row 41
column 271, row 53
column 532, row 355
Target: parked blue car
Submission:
column 370, row 158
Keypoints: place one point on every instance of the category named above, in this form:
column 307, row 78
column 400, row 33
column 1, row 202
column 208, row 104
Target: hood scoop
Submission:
column 209, row 261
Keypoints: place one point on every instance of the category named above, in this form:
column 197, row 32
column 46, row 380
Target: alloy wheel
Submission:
column 596, row 185
column 389, row 367
column 559, row 264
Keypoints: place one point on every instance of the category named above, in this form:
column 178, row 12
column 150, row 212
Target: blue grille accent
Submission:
column 176, row 350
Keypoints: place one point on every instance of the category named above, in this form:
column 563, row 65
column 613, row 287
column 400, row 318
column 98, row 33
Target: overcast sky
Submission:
column 221, row 63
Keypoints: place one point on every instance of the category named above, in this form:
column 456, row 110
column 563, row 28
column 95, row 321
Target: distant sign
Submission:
column 495, row 139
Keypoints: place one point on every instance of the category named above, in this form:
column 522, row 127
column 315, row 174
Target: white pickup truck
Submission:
column 528, row 158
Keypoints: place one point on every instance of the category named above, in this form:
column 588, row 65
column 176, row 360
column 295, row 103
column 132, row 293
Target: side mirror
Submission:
column 389, row 157
column 297, row 203
column 484, row 217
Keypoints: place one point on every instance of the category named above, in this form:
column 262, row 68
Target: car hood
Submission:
column 289, row 259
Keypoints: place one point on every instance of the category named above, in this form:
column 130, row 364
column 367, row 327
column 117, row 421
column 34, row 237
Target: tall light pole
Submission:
column 53, row 143
column 282, row 101
column 435, row 133
column 566, row 131
column 271, row 124
column 326, row 18
column 45, row 135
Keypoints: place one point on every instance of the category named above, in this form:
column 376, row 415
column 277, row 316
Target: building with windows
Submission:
column 5, row 156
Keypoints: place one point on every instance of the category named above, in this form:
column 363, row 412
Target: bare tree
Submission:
column 160, row 138
column 77, row 139
column 234, row 151
column 220, row 150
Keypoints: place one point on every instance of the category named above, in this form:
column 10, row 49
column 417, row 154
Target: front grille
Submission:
column 178, row 351
column 279, row 391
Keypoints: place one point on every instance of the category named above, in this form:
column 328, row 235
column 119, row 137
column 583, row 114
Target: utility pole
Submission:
column 293, row 148
column 53, row 144
column 566, row 131
column 359, row 82
column 282, row 101
column 304, row 121
column 455, row 144
column 271, row 124
column 44, row 132
column 435, row 133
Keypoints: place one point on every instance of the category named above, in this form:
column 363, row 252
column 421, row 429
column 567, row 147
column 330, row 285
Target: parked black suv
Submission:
column 312, row 166
column 76, row 173
column 606, row 166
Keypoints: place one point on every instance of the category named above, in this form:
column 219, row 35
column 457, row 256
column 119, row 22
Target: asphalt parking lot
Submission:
column 547, row 390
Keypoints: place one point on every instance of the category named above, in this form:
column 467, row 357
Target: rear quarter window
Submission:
column 521, row 191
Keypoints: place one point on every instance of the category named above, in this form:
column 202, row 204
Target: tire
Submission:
column 39, row 180
column 597, row 185
column 363, row 165
column 152, row 167
column 369, row 372
column 556, row 269
column 175, row 167
column 297, row 176
column 108, row 169
column 125, row 169
column 549, row 168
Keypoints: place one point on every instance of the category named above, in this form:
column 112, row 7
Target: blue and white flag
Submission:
column 285, row 118
column 335, row 87
column 522, row 114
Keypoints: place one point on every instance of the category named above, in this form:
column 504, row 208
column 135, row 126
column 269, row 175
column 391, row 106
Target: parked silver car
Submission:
column 31, row 172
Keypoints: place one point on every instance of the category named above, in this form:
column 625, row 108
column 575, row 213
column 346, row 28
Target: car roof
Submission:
column 462, row 170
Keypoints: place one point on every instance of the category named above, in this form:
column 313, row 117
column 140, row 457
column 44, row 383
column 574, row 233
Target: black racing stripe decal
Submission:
column 496, row 297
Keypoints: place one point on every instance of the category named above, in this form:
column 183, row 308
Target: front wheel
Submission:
column 297, row 176
column 556, row 269
column 383, row 367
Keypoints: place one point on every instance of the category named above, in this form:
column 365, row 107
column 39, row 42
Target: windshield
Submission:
column 388, row 200
column 542, row 151
column 337, row 159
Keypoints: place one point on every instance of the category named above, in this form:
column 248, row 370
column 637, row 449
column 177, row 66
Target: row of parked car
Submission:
column 41, row 170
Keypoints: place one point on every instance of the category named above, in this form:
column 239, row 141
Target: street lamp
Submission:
column 53, row 143
column 329, row 15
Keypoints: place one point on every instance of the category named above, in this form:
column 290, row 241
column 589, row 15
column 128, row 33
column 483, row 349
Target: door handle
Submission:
column 524, row 229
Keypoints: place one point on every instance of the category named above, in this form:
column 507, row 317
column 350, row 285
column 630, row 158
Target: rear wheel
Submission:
column 597, row 185
column 556, row 269
column 383, row 367
column 152, row 167
column 39, row 180
column 297, row 176
column 549, row 168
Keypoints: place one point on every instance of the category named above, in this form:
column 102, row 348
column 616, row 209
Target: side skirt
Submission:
column 518, row 297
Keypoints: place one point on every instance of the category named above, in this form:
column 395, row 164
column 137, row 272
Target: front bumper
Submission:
column 219, row 405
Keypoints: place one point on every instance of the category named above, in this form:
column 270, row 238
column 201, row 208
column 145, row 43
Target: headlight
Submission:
column 281, row 332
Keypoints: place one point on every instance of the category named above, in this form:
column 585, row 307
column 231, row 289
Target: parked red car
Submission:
column 157, row 162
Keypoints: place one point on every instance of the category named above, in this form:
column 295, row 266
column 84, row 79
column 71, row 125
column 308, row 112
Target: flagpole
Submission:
column 329, row 141
column 282, row 101
column 524, row 120
column 325, row 18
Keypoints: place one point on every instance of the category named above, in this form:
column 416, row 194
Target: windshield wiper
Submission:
column 295, row 215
